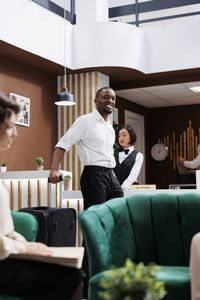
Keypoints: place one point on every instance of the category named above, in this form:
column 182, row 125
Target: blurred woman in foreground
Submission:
column 23, row 278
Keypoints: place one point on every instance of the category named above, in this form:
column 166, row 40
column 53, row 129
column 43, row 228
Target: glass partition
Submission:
column 145, row 12
column 58, row 6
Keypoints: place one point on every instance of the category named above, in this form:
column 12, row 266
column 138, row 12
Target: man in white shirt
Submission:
column 94, row 136
column 191, row 164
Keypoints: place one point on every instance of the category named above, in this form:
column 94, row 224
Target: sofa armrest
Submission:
column 96, row 241
column 25, row 224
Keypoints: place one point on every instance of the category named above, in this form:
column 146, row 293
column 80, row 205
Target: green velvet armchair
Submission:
column 145, row 228
column 26, row 225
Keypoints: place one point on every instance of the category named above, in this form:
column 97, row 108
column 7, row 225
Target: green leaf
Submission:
column 132, row 282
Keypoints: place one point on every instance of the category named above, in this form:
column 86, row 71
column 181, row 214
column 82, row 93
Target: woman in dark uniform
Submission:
column 128, row 160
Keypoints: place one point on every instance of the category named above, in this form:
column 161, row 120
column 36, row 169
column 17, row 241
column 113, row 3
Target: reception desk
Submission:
column 78, row 195
column 31, row 188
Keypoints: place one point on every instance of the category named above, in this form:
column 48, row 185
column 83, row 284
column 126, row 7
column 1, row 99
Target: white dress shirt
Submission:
column 135, row 169
column 193, row 164
column 94, row 138
column 10, row 241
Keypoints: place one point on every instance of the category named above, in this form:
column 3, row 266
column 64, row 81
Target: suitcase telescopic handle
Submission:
column 60, row 179
column 49, row 183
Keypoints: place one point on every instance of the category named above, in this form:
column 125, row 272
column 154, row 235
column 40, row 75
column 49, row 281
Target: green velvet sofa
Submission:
column 146, row 228
column 27, row 225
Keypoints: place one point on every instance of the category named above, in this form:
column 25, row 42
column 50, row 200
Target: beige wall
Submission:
column 40, row 138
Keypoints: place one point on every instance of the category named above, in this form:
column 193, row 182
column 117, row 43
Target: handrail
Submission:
column 70, row 15
column 150, row 6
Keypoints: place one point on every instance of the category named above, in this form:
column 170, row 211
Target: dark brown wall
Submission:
column 40, row 138
column 123, row 104
column 160, row 122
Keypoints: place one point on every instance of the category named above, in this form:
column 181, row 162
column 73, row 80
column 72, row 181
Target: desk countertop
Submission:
column 28, row 174
column 78, row 195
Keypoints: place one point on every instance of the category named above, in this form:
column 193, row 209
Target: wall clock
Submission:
column 159, row 151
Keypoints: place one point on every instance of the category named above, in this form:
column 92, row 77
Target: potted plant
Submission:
column 3, row 167
column 132, row 282
column 67, row 182
column 39, row 161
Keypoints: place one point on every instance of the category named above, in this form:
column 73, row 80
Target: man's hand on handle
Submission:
column 54, row 176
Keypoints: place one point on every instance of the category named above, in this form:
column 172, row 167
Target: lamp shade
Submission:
column 65, row 98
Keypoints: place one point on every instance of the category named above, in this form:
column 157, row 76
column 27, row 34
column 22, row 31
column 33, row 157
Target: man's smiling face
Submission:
column 105, row 102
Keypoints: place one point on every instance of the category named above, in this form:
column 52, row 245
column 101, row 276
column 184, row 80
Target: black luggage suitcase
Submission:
column 56, row 226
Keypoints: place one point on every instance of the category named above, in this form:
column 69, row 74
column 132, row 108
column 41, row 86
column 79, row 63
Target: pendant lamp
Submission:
column 65, row 98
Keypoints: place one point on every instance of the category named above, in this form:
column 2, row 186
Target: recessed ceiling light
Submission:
column 195, row 89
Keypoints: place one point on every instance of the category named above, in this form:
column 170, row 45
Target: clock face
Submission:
column 159, row 152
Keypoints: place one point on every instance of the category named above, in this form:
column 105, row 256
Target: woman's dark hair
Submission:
column 7, row 106
column 130, row 130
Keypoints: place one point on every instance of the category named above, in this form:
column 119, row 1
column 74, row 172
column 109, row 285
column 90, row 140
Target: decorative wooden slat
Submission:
column 19, row 195
column 11, row 195
column 68, row 126
column 170, row 151
column 84, row 94
column 73, row 147
column 177, row 153
column 196, row 144
column 199, row 135
column 96, row 82
column 79, row 229
column 78, row 114
column 67, row 203
column 57, row 202
column 90, row 92
column 48, row 200
column 167, row 141
column 192, row 148
column 62, row 130
column 174, row 150
column 188, row 141
column 38, row 193
column 184, row 145
column 29, row 193
column 181, row 145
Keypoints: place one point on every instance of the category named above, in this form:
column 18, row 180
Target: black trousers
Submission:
column 98, row 184
column 34, row 280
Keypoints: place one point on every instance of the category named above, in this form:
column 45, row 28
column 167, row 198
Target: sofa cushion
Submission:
column 189, row 210
column 101, row 224
column 177, row 282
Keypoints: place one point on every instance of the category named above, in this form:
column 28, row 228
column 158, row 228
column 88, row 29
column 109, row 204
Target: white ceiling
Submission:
column 162, row 95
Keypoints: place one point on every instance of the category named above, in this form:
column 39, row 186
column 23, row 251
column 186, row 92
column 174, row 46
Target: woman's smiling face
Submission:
column 7, row 132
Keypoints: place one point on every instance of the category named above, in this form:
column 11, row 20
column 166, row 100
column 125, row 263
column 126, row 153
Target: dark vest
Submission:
column 123, row 170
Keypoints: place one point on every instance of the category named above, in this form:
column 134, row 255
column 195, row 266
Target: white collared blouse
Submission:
column 10, row 240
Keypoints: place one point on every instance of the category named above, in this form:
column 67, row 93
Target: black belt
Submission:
column 98, row 168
